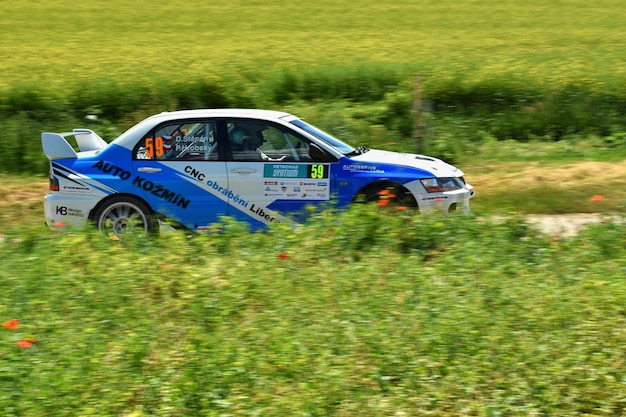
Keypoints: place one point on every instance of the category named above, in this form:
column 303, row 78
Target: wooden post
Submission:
column 418, row 133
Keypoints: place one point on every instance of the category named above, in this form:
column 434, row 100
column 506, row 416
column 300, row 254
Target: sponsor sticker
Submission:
column 75, row 189
column 314, row 171
column 370, row 169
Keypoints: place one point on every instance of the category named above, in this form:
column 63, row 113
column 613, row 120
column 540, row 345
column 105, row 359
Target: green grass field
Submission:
column 368, row 313
column 56, row 44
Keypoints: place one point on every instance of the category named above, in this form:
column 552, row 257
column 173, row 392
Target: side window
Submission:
column 253, row 141
column 285, row 143
column 191, row 141
column 245, row 140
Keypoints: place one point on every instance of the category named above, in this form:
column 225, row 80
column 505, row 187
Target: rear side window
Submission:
column 189, row 141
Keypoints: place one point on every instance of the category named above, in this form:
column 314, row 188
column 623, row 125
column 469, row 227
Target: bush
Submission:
column 370, row 106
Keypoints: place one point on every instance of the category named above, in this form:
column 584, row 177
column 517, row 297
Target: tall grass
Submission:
column 358, row 107
column 362, row 313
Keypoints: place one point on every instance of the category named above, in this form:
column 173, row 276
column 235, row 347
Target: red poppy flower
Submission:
column 383, row 203
column 596, row 198
column 11, row 324
column 25, row 343
column 283, row 255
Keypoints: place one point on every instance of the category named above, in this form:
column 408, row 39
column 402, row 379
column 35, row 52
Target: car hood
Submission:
column 435, row 166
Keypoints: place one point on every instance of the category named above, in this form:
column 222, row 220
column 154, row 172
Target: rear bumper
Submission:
column 61, row 210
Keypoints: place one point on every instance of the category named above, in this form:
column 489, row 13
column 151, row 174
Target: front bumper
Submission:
column 445, row 202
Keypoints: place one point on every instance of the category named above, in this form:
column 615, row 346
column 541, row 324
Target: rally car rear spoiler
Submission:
column 55, row 146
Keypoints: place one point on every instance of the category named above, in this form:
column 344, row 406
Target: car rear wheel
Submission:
column 124, row 216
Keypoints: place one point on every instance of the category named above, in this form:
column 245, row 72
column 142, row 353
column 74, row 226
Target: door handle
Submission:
column 149, row 169
column 243, row 170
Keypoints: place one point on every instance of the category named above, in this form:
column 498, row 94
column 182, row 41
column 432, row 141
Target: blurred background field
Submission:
column 60, row 43
column 489, row 70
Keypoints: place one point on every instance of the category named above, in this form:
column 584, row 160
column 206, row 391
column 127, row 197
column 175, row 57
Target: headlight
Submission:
column 439, row 185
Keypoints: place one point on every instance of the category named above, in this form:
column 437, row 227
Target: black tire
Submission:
column 391, row 195
column 125, row 215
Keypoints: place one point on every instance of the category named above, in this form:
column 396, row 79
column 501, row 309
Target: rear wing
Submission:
column 55, row 146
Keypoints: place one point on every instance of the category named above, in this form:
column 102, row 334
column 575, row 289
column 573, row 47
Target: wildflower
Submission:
column 383, row 192
column 60, row 225
column 382, row 203
column 283, row 255
column 11, row 324
column 25, row 343
column 596, row 198
column 401, row 208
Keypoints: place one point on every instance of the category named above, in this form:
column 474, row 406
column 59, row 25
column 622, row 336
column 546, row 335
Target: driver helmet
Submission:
column 239, row 135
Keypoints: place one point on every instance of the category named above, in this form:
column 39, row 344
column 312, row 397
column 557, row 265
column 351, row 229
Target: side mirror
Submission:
column 316, row 153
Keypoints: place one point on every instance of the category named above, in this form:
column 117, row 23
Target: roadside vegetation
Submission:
column 368, row 312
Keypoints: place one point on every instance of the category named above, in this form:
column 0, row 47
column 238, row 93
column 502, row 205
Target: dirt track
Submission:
column 18, row 201
column 564, row 225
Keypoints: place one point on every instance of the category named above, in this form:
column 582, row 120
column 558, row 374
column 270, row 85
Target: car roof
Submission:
column 254, row 113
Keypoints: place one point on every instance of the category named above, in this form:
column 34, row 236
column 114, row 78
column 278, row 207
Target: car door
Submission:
column 180, row 172
column 275, row 177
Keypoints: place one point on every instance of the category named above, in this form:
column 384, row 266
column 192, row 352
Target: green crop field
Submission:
column 59, row 43
column 490, row 69
column 499, row 70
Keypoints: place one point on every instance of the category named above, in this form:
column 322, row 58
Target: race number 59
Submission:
column 154, row 146
column 318, row 171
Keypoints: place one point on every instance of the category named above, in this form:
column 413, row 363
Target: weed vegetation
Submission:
column 366, row 313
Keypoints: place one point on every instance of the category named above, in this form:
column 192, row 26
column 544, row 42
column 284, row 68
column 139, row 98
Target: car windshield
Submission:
column 331, row 140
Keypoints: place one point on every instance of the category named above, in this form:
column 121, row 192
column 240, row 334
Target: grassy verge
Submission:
column 363, row 313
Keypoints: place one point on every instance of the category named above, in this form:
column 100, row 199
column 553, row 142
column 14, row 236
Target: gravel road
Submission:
column 565, row 225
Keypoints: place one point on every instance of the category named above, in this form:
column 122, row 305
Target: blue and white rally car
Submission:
column 194, row 167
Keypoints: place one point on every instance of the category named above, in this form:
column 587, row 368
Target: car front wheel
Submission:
column 124, row 216
column 387, row 194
